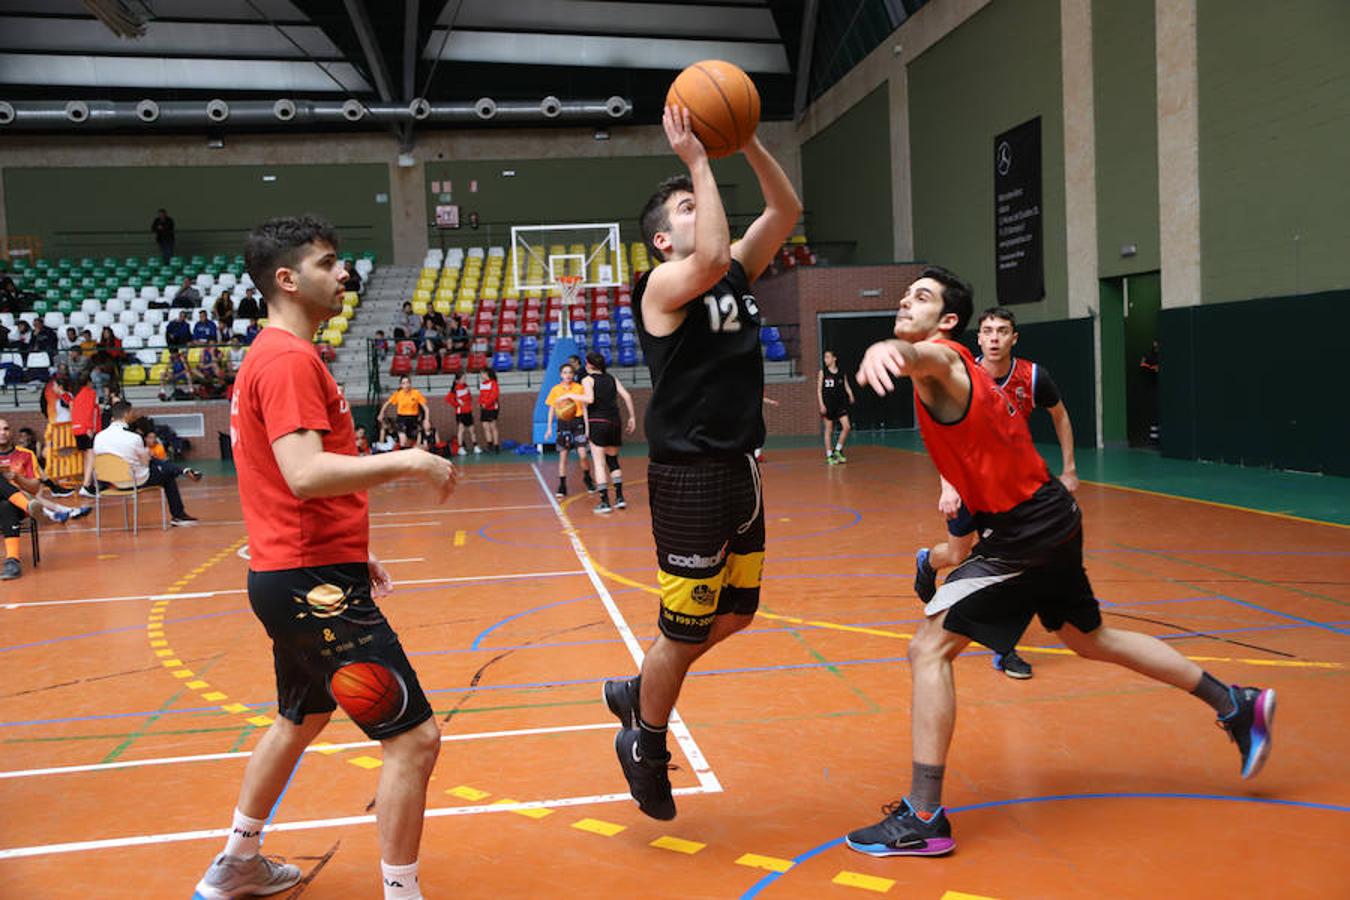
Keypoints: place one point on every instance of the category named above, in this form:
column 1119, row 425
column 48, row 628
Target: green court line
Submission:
column 1239, row 575
column 139, row 733
column 831, row 667
column 244, row 733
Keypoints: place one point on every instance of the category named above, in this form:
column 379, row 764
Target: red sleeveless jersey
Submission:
column 1019, row 386
column 987, row 455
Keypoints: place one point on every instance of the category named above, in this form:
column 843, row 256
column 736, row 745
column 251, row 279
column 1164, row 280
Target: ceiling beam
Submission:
column 379, row 72
column 410, row 48
column 804, row 57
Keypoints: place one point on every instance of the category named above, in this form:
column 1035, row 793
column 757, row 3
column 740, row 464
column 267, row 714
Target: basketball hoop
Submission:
column 570, row 285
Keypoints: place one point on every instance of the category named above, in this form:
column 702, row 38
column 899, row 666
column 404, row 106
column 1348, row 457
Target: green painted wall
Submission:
column 543, row 191
column 100, row 211
column 1216, row 405
column 1112, row 297
column 999, row 69
column 846, row 175
column 1274, row 83
column 1125, row 91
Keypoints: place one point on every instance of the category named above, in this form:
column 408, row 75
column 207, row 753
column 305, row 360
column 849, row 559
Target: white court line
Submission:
column 706, row 779
column 406, row 559
column 310, row 824
column 326, row 748
column 200, row 594
column 216, row 523
column 408, row 524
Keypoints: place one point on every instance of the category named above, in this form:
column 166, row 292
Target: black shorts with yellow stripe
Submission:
column 708, row 522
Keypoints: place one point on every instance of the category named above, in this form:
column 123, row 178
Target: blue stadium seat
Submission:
column 769, row 334
column 580, row 326
column 602, row 325
column 609, row 357
column 502, row 362
column 529, row 342
column 603, row 341
column 775, row 351
column 628, row 355
column 627, row 339
column 529, row 361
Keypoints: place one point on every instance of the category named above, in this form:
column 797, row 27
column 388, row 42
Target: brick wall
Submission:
column 215, row 412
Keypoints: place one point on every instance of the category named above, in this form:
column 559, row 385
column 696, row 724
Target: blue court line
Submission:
column 759, row 886
column 1312, row 622
column 526, row 612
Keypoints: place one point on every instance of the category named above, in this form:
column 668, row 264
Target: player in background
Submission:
column 489, row 407
column 312, row 581
column 461, row 398
column 699, row 325
column 834, row 397
column 411, row 407
column 601, row 392
column 1028, row 386
column 565, row 405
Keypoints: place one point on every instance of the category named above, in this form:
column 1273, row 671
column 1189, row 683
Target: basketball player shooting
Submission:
column 312, row 581
column 1029, row 562
column 699, row 328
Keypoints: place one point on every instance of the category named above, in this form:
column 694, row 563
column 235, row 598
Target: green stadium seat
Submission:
column 41, row 307
column 101, row 293
column 43, row 264
column 65, row 263
column 67, row 307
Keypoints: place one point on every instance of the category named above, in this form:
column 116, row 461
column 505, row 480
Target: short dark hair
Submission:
column 279, row 242
column 119, row 410
column 998, row 312
column 596, row 358
column 491, row 373
column 957, row 296
column 655, row 217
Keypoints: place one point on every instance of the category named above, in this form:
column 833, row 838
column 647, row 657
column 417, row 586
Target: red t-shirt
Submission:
column 988, row 455
column 284, row 387
column 462, row 398
column 84, row 415
column 20, row 460
column 488, row 392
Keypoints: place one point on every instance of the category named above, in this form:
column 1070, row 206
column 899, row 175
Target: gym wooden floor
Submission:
column 134, row 680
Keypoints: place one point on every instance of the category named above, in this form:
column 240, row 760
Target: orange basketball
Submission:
column 722, row 102
column 566, row 408
column 370, row 693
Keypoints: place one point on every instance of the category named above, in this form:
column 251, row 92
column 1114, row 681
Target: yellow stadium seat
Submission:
column 338, row 324
column 157, row 372
column 420, row 307
column 163, row 357
column 442, row 305
column 351, row 298
column 464, row 307
column 428, row 273
column 332, row 337
column 423, row 294
column 133, row 375
column 194, row 355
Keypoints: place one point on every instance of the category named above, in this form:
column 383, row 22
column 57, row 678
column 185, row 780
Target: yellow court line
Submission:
column 1233, row 506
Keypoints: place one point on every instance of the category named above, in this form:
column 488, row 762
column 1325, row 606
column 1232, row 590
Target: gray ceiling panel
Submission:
column 604, row 52
column 161, row 38
column 176, row 74
column 598, row 17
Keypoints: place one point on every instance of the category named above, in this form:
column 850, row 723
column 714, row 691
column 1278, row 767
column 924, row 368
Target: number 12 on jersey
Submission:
column 723, row 313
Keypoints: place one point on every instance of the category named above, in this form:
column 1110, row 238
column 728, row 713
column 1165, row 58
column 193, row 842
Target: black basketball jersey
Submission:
column 832, row 390
column 606, row 405
column 707, row 375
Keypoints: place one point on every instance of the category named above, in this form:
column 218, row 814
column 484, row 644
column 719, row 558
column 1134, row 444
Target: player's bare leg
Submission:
column 401, row 798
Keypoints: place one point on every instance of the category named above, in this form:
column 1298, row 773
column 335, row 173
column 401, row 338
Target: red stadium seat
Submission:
column 427, row 364
column 482, row 329
column 452, row 364
column 532, row 315
column 601, row 312
column 477, row 362
column 405, row 348
column 504, row 345
column 400, row 365
column 530, row 327
column 510, row 304
column 508, row 326
column 577, row 313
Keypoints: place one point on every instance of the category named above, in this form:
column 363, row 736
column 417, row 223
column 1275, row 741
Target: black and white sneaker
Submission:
column 61, row 491
column 603, row 508
column 1012, row 665
column 925, row 576
column 561, row 492
column 620, row 503
column 85, row 492
column 903, row 833
column 648, row 779
column 587, row 480
column 1250, row 724
column 183, row 521
column 621, row 696
column 12, row 569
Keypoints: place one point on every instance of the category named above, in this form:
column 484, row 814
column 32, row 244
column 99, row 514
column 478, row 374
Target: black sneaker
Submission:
column 62, row 492
column 11, row 570
column 1012, row 665
column 621, row 696
column 619, row 502
column 183, row 521
column 603, row 508
column 562, row 489
column 193, row 474
column 648, row 779
column 587, row 480
column 1249, row 725
column 80, row 513
column 925, row 576
column 903, row 833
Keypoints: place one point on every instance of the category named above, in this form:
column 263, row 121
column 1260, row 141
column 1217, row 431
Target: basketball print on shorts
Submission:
column 370, row 693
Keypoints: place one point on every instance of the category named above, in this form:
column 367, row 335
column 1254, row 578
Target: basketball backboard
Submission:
column 541, row 253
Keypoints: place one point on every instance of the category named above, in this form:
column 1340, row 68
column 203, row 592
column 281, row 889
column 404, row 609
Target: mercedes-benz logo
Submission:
column 1004, row 158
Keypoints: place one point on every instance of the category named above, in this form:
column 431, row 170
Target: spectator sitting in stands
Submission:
column 22, row 339
column 380, row 344
column 9, row 296
column 147, row 471
column 430, row 338
column 178, row 333
column 362, row 442
column 188, row 297
column 4, row 336
column 210, row 379
column 252, row 331
column 145, row 427
column 388, row 438
column 45, row 340
column 353, row 282
column 223, row 310
column 204, row 331
column 110, row 344
column 85, row 359
column 248, row 306
column 407, row 323
column 459, row 336
column 236, row 353
column 69, row 346
column 175, row 382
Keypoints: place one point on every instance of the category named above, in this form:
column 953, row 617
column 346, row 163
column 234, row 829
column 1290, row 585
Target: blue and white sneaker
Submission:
column 1249, row 725
column 925, row 576
column 59, row 516
column 903, row 833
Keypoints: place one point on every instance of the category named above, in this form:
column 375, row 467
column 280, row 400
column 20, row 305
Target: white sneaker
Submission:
column 477, row 449
column 463, row 452
column 231, row 876
column 85, row 492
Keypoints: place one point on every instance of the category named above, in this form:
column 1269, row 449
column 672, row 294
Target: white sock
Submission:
column 400, row 882
column 245, row 836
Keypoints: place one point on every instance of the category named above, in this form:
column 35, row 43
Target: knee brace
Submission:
column 612, row 463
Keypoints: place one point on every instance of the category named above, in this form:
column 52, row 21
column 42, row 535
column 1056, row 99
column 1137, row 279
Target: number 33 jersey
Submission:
column 707, row 375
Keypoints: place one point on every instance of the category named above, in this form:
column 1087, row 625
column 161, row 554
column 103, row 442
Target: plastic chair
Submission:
column 111, row 468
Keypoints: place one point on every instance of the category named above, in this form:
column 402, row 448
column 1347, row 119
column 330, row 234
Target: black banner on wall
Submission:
column 1019, row 257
